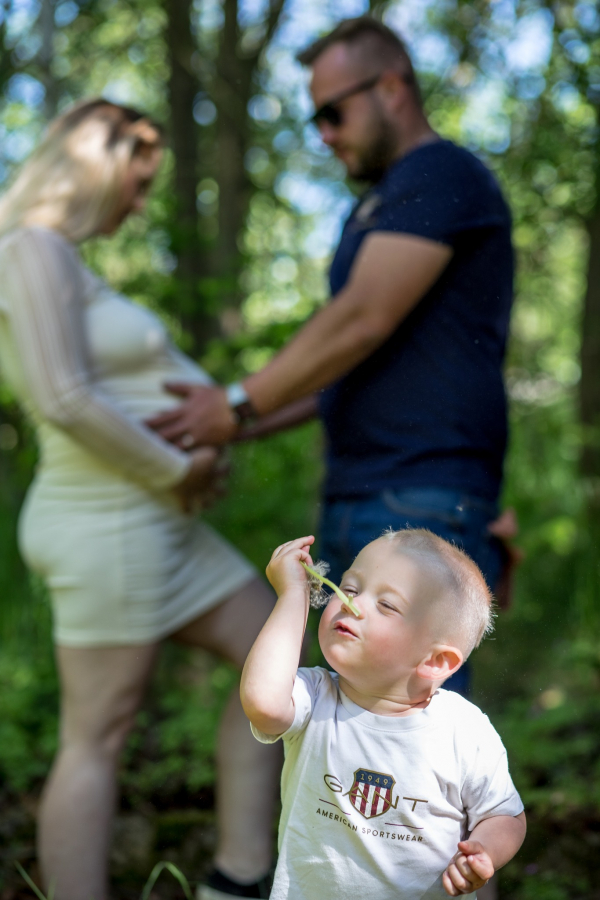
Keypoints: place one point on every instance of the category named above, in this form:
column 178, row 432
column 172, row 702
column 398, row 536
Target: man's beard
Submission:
column 372, row 161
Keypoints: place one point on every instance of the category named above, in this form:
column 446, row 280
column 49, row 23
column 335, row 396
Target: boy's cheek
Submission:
column 323, row 625
column 332, row 608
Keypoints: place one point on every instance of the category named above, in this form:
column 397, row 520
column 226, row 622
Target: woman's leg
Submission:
column 248, row 772
column 101, row 692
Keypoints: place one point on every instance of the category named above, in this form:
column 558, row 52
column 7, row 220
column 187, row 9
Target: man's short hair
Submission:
column 375, row 43
column 466, row 610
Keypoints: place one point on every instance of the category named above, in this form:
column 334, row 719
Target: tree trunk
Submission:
column 45, row 57
column 590, row 361
column 185, row 242
column 6, row 62
column 587, row 593
column 232, row 90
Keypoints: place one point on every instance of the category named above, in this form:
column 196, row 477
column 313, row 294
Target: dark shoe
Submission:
column 220, row 887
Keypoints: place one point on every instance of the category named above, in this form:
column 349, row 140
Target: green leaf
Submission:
column 175, row 872
column 32, row 884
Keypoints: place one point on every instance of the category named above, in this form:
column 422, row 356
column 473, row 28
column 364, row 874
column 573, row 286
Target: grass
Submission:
column 155, row 874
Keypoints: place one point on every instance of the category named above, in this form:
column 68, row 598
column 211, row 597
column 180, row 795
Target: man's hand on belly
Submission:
column 204, row 417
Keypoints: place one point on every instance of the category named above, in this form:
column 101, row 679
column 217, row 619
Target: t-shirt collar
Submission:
column 423, row 719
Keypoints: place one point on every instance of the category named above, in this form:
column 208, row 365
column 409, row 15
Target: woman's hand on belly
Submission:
column 204, row 481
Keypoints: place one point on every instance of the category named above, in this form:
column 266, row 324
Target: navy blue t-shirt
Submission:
column 428, row 408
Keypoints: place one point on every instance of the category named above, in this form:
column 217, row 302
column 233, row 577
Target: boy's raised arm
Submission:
column 270, row 670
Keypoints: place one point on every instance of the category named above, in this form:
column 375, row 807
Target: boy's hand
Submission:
column 284, row 570
column 470, row 869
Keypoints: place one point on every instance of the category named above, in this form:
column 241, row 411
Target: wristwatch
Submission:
column 240, row 403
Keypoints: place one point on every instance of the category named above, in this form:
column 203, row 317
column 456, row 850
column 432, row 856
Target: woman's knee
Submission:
column 101, row 694
column 99, row 730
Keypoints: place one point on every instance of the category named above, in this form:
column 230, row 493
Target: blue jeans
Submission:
column 347, row 525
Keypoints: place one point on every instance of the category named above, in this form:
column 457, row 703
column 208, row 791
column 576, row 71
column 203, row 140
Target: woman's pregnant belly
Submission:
column 139, row 394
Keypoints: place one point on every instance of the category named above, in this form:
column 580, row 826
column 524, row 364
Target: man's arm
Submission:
column 270, row 669
column 391, row 274
column 288, row 416
column 491, row 844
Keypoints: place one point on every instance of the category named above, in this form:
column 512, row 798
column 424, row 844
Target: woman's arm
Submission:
column 270, row 670
column 43, row 286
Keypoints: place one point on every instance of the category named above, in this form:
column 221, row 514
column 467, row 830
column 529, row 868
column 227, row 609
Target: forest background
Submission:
column 233, row 254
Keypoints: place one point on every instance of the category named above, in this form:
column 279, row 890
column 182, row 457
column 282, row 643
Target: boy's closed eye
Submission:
column 388, row 606
column 350, row 588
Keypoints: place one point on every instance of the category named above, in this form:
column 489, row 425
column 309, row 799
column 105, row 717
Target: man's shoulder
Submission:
column 447, row 154
column 440, row 165
column 439, row 190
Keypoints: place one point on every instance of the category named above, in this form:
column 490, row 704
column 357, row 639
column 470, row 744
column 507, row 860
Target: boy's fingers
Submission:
column 477, row 859
column 458, row 880
column 297, row 544
column 467, row 848
column 448, row 886
column 464, row 868
column 481, row 864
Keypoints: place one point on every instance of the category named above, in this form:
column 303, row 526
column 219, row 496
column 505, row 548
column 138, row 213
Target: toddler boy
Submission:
column 392, row 788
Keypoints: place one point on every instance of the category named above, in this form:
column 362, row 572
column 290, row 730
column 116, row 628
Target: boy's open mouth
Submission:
column 343, row 629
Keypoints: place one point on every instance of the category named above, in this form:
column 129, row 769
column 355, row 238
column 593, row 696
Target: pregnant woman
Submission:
column 106, row 520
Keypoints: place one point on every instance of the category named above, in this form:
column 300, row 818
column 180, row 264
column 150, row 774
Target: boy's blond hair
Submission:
column 468, row 611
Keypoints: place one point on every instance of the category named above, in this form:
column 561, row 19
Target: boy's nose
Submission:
column 357, row 605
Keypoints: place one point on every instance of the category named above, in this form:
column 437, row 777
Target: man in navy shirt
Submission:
column 406, row 361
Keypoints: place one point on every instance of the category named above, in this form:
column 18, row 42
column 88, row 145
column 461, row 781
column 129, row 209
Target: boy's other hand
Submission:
column 284, row 570
column 470, row 869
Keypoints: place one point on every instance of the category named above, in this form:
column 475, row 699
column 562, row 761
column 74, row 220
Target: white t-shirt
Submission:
column 374, row 806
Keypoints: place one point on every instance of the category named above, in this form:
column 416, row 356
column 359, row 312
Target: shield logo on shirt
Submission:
column 371, row 793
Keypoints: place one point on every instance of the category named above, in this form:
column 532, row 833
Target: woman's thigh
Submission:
column 230, row 629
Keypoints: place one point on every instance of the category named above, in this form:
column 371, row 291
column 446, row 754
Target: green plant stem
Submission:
column 343, row 597
column 175, row 872
column 32, row 885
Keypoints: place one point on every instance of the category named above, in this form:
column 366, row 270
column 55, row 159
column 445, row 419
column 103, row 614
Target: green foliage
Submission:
column 171, row 752
column 535, row 123
column 552, row 743
column 159, row 868
column 28, row 710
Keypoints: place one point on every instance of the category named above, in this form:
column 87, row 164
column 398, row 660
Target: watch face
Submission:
column 245, row 411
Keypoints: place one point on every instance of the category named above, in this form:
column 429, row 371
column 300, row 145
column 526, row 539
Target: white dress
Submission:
column 100, row 524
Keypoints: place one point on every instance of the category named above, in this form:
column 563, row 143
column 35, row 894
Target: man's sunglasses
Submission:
column 330, row 114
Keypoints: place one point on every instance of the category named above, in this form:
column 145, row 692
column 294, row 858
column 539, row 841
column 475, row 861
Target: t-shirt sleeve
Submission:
column 441, row 202
column 307, row 686
column 488, row 789
column 43, row 290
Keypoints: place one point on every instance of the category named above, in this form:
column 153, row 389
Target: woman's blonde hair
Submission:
column 72, row 180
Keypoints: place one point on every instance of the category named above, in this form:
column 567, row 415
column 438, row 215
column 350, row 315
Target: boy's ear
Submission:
column 441, row 662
